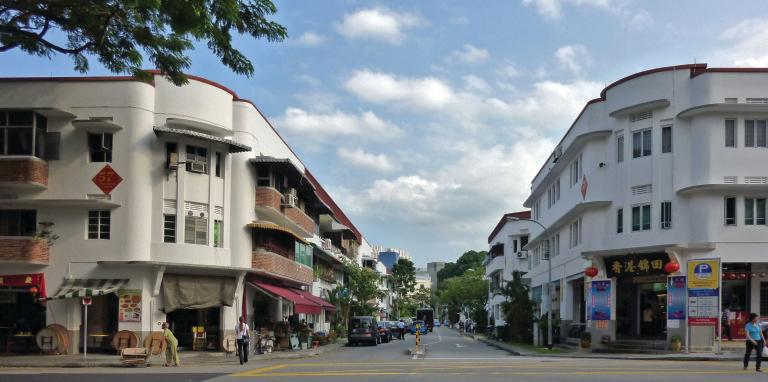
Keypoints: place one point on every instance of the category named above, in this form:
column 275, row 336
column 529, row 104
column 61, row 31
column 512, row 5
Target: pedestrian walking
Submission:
column 401, row 329
column 755, row 340
column 171, row 351
column 726, row 324
column 243, row 337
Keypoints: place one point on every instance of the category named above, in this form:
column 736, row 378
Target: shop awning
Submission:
column 319, row 301
column 301, row 304
column 197, row 292
column 275, row 227
column 75, row 288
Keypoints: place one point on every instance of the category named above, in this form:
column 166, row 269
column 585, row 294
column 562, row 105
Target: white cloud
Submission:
column 361, row 159
column 469, row 54
column 573, row 58
column 377, row 24
column 311, row 39
column 473, row 83
column 632, row 18
column 743, row 44
column 551, row 9
column 324, row 126
column 379, row 87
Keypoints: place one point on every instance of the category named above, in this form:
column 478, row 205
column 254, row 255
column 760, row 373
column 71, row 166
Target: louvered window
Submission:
column 644, row 189
column 195, row 230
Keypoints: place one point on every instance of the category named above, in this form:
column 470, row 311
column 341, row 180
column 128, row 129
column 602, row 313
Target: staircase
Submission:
column 635, row 347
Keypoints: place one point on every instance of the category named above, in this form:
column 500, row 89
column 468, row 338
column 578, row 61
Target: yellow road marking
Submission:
column 258, row 372
column 532, row 373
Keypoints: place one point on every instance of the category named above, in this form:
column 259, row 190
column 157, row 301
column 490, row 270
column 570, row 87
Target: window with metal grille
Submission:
column 169, row 228
column 195, row 230
column 666, row 215
column 99, row 224
column 730, row 210
column 100, row 147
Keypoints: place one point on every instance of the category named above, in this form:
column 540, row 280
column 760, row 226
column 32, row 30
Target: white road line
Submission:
column 459, row 346
column 439, row 340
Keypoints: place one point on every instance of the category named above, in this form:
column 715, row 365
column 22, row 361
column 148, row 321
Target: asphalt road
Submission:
column 449, row 358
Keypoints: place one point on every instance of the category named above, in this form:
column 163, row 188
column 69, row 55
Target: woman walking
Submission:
column 755, row 340
column 171, row 353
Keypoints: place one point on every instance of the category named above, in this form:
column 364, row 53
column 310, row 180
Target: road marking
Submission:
column 529, row 373
column 258, row 372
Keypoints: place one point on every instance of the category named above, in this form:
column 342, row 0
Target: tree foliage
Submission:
column 469, row 260
column 467, row 292
column 422, row 297
column 121, row 33
column 518, row 309
column 363, row 286
column 403, row 280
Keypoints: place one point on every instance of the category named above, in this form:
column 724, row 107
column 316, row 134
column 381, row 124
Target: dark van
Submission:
column 362, row 329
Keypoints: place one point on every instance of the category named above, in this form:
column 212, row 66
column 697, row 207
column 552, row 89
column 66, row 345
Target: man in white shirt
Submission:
column 401, row 329
column 242, row 334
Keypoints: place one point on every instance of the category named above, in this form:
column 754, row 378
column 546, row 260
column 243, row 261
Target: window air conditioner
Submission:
column 173, row 161
column 291, row 198
column 522, row 255
column 198, row 167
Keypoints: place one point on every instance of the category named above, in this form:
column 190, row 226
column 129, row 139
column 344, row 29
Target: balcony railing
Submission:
column 275, row 264
column 24, row 250
column 24, row 173
column 272, row 203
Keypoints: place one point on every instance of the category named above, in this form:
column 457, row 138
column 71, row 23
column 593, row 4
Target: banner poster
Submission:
column 601, row 300
column 676, row 296
column 130, row 305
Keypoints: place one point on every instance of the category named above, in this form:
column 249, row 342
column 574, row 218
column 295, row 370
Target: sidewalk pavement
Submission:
column 187, row 358
column 727, row 355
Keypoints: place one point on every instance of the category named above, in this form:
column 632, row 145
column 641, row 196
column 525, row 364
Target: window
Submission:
column 575, row 233
column 196, row 230
column 218, row 233
column 536, row 209
column 263, row 178
column 754, row 133
column 620, row 220
column 641, row 143
column 18, row 222
column 553, row 193
column 197, row 159
column 730, row 210
column 169, row 228
column 303, row 254
column 730, row 133
column 514, row 246
column 545, row 250
column 620, row 149
column 100, row 147
column 666, row 215
column 219, row 165
column 99, row 224
column 576, row 167
column 22, row 133
column 555, row 247
column 666, row 139
column 754, row 211
column 641, row 217
column 171, row 155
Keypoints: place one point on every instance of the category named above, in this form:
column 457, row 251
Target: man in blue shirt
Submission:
column 755, row 340
column 401, row 329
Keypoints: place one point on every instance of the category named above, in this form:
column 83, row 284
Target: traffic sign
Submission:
column 87, row 300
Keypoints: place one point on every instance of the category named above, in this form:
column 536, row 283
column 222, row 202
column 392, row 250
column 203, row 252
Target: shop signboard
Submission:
column 648, row 264
column 600, row 295
column 107, row 179
column 676, row 295
column 130, row 305
column 703, row 292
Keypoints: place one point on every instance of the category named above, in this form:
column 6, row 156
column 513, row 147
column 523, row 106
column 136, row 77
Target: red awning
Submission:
column 319, row 301
column 301, row 304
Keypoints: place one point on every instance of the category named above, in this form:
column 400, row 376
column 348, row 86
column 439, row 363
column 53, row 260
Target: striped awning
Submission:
column 275, row 227
column 76, row 288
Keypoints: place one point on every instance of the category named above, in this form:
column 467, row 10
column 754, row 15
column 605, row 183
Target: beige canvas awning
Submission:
column 196, row 292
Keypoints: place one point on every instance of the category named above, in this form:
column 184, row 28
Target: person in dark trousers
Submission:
column 242, row 334
column 725, row 323
column 755, row 340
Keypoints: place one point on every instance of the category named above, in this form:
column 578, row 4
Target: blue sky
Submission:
column 426, row 121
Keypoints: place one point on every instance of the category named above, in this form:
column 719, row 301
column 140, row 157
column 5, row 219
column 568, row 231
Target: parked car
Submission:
column 421, row 325
column 385, row 331
column 393, row 330
column 362, row 329
column 447, row 323
column 437, row 323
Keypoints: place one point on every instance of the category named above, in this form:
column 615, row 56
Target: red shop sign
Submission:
column 107, row 179
column 29, row 280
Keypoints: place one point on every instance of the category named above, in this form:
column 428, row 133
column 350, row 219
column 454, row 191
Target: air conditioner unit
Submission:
column 198, row 167
column 522, row 255
column 291, row 198
column 173, row 161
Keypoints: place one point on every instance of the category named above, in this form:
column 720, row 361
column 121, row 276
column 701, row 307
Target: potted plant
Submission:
column 586, row 340
column 675, row 343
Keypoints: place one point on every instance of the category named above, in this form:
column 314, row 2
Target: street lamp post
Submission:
column 549, row 280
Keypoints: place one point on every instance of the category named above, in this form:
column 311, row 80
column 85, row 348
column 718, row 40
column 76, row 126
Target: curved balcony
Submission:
column 270, row 206
column 23, row 173
column 24, row 250
column 271, row 264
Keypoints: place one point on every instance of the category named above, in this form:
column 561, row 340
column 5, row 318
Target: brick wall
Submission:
column 299, row 217
column 29, row 170
column 24, row 250
column 268, row 197
column 281, row 266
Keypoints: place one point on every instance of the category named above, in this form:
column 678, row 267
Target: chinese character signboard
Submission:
column 130, row 305
column 650, row 264
column 107, row 179
column 703, row 292
column 600, row 305
column 676, row 298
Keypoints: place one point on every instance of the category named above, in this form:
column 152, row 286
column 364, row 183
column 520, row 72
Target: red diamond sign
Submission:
column 107, row 179
column 584, row 187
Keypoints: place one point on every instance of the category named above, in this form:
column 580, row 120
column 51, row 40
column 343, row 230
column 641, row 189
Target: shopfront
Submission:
column 736, row 283
column 22, row 315
column 641, row 294
column 193, row 305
